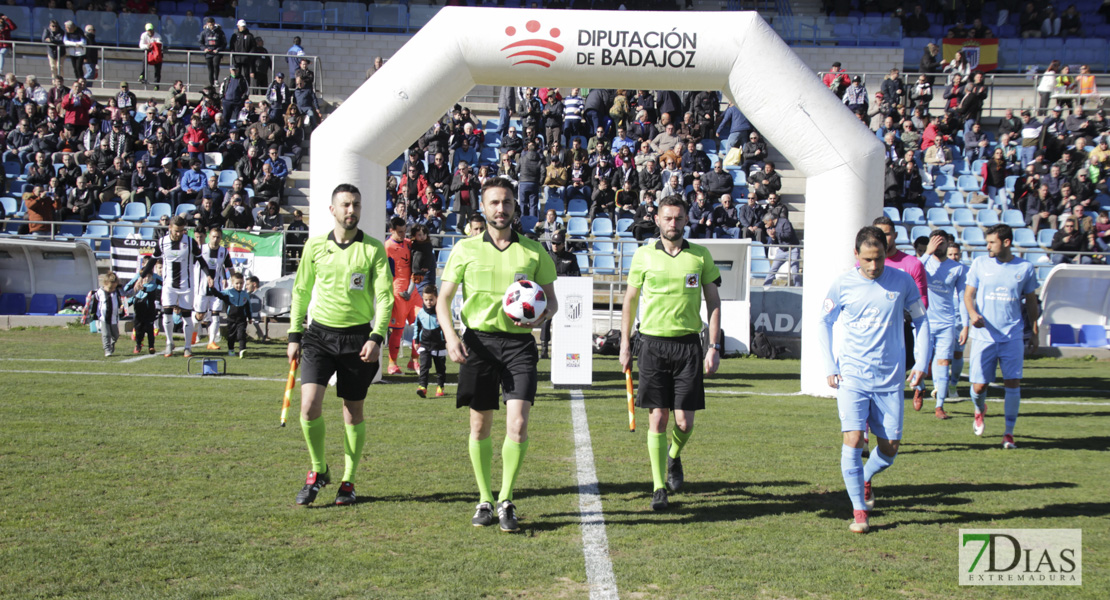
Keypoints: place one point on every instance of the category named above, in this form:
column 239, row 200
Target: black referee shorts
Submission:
column 671, row 373
column 327, row 351
column 497, row 361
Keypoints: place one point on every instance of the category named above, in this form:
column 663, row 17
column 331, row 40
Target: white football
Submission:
column 524, row 302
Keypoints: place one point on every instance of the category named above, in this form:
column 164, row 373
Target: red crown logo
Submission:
column 534, row 51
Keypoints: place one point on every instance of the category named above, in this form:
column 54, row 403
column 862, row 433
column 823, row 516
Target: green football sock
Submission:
column 679, row 439
column 354, row 436
column 657, row 450
column 512, row 454
column 481, row 457
column 314, row 437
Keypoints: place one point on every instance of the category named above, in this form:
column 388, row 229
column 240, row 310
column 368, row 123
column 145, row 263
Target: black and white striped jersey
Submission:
column 177, row 262
column 219, row 263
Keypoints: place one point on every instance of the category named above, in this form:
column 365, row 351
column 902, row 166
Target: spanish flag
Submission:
column 981, row 53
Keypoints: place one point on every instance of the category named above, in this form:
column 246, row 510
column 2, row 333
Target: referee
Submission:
column 346, row 276
column 672, row 274
column 495, row 352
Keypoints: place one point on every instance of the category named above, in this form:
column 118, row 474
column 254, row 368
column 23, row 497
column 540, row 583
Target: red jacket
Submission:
column 7, row 26
column 39, row 208
column 195, row 139
column 421, row 184
column 77, row 110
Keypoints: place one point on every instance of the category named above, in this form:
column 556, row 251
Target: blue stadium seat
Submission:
column 12, row 169
column 968, row 184
column 43, row 305
column 159, row 210
column 578, row 208
column 626, row 263
column 950, row 230
column 13, row 304
column 109, row 211
column 1013, row 218
column 583, row 261
column 624, row 227
column 1044, row 237
column 452, row 222
column 441, row 257
column 758, row 250
column 604, row 264
column 10, row 206
column 601, row 247
column 122, row 231
column 556, row 204
column 1024, row 238
column 146, row 233
column 134, row 212
column 186, row 208
column 892, row 213
column 1011, row 181
column 913, row 215
column 528, row 223
column 973, row 236
column 963, row 218
column 944, row 183
column 601, row 227
column 1093, row 336
column 578, row 227
column 919, row 231
column 72, row 229
column 226, row 178
column 954, row 199
column 937, row 217
column 1061, row 335
column 901, row 235
column 987, row 218
column 345, row 14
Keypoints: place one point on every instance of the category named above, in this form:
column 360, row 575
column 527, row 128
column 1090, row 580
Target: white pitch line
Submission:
column 595, row 543
column 1023, row 402
column 61, row 360
column 138, row 358
column 196, row 377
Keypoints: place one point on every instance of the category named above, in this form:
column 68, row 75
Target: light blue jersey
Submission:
column 873, row 348
column 946, row 280
column 1000, row 287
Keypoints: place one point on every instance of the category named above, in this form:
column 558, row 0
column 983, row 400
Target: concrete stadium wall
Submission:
column 347, row 56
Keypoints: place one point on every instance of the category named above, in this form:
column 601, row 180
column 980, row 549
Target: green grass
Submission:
column 143, row 487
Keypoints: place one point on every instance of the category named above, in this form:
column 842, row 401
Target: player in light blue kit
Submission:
column 947, row 314
column 995, row 317
column 869, row 373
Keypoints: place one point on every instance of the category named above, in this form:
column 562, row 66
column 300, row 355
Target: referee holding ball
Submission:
column 672, row 274
column 495, row 353
column 346, row 276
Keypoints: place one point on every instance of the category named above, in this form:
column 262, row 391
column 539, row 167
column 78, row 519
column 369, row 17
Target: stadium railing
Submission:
column 120, row 64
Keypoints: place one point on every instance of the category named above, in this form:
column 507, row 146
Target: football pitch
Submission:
column 131, row 479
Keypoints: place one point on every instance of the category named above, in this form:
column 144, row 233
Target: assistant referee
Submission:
column 495, row 353
column 672, row 274
column 346, row 276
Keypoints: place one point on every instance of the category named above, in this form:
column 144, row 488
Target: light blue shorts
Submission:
column 881, row 410
column 943, row 342
column 986, row 357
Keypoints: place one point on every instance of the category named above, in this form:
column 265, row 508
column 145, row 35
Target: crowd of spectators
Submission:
column 73, row 152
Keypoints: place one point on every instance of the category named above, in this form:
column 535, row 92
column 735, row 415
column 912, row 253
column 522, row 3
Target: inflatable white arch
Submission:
column 736, row 52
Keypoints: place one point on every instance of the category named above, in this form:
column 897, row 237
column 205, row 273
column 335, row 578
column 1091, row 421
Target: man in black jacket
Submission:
column 765, row 182
column 213, row 42
column 717, row 182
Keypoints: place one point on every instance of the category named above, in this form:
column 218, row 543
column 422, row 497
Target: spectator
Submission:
column 574, row 113
column 269, row 218
column 249, row 166
column 151, row 42
column 241, row 44
column 268, row 186
column 196, row 138
column 836, row 80
column 77, row 104
column 295, row 241
column 40, row 208
column 1102, row 231
column 750, row 218
column 1030, row 21
column 54, row 38
column 411, row 187
column 82, row 202
column 717, row 182
column 553, row 113
column 916, row 24
column 780, row 231
column 1070, row 239
column 234, row 92
column 308, row 106
column 701, row 216
column 855, row 96
column 213, row 42
column 1050, row 25
column 765, row 182
column 144, row 185
column 74, row 40
column 725, row 221
column 979, row 30
column 464, row 190
column 930, row 62
column 604, row 200
column 893, row 88
column 7, row 26
column 213, row 190
column 278, row 96
column 193, row 182
column 169, row 190
column 1039, row 208
column 207, row 215
column 904, row 186
column 117, row 181
column 306, row 74
column 753, row 153
column 92, row 54
column 294, row 53
column 236, row 213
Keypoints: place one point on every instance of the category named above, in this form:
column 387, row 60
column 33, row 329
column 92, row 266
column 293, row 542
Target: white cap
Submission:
column 241, row 23
column 167, row 161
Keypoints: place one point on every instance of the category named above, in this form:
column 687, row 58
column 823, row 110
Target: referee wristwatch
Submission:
column 714, row 346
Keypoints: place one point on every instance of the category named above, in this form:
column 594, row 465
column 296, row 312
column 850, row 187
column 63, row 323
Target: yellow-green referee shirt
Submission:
column 485, row 272
column 670, row 287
